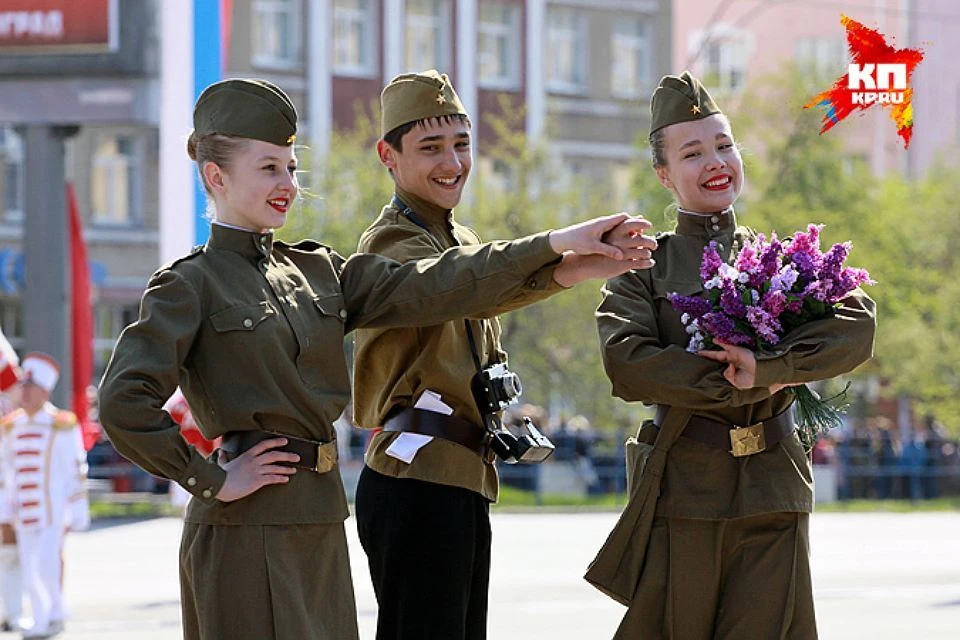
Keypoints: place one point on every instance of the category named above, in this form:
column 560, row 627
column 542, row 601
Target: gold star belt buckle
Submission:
column 326, row 457
column 746, row 441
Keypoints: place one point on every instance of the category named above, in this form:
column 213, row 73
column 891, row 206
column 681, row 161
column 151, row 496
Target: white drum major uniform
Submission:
column 44, row 491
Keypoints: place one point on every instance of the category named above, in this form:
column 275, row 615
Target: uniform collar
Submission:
column 706, row 225
column 249, row 244
column 432, row 215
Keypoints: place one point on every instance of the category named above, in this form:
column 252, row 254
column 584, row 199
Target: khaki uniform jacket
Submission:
column 395, row 366
column 644, row 351
column 252, row 330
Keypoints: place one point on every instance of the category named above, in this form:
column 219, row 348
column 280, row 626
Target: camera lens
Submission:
column 511, row 384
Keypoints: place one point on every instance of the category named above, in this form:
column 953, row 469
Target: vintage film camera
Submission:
column 531, row 446
column 494, row 389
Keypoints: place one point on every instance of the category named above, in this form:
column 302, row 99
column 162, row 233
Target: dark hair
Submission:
column 213, row 147
column 394, row 137
column 657, row 142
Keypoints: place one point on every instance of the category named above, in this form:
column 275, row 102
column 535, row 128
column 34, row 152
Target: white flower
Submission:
column 784, row 280
column 696, row 343
column 743, row 277
column 729, row 272
column 685, row 318
column 712, row 283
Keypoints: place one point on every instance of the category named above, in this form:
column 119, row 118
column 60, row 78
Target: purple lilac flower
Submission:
column 832, row 262
column 764, row 324
column 721, row 327
column 784, row 279
column 692, row 305
column 806, row 265
column 770, row 257
column 795, row 306
column 711, row 263
column 849, row 279
column 730, row 300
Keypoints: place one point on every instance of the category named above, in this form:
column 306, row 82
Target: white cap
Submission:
column 41, row 370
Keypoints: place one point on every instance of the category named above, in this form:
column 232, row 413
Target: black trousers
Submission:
column 428, row 546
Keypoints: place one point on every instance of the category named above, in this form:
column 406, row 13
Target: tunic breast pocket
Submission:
column 322, row 361
column 671, row 328
column 243, row 317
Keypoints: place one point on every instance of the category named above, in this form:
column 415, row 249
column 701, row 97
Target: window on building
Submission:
column 499, row 46
column 354, row 40
column 115, row 181
column 723, row 52
column 825, row 57
column 567, row 48
column 631, row 52
column 11, row 175
column 276, row 33
column 428, row 29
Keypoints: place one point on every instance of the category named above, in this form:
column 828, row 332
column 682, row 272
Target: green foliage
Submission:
column 342, row 193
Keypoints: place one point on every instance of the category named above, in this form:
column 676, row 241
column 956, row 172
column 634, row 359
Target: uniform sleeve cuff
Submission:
column 543, row 280
column 203, row 478
column 773, row 371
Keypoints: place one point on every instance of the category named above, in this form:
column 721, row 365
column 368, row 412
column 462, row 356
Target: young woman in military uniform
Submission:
column 728, row 552
column 252, row 330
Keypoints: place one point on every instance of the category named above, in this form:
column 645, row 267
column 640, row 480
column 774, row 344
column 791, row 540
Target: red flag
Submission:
column 81, row 315
column 9, row 364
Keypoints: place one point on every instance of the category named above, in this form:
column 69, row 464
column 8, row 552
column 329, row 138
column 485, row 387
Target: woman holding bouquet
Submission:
column 252, row 330
column 728, row 550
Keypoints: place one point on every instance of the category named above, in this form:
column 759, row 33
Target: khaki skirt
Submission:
column 257, row 582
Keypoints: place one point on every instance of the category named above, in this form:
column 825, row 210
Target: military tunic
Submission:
column 395, row 366
column 644, row 352
column 252, row 331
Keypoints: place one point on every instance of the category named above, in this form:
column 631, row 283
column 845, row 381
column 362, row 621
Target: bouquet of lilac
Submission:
column 771, row 288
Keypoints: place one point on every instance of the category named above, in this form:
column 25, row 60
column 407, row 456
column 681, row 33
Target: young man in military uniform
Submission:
column 728, row 550
column 423, row 497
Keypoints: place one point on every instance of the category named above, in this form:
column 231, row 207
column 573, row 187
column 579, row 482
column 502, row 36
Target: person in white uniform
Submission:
column 44, row 466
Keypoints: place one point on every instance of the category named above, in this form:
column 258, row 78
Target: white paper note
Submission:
column 407, row 444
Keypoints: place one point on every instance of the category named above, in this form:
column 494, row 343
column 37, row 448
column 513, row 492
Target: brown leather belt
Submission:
column 738, row 440
column 430, row 423
column 315, row 456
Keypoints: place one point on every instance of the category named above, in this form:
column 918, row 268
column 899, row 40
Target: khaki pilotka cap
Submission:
column 246, row 109
column 414, row 96
column 680, row 99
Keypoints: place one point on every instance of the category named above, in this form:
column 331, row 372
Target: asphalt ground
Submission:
column 877, row 576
